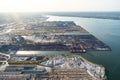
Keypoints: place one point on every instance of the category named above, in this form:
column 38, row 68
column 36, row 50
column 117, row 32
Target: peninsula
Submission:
column 38, row 36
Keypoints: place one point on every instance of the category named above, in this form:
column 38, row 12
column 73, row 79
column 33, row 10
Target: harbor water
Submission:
column 107, row 31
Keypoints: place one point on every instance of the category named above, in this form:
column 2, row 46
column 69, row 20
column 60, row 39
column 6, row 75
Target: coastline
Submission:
column 90, row 67
column 107, row 15
column 105, row 76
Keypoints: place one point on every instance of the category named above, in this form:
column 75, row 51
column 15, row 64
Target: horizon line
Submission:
column 52, row 11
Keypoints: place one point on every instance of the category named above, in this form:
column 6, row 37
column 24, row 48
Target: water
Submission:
column 100, row 15
column 109, row 32
column 40, row 53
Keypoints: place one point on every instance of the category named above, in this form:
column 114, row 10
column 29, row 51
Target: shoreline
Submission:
column 89, row 66
column 74, row 62
column 105, row 76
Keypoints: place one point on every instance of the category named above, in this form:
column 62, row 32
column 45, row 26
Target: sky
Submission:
column 58, row 5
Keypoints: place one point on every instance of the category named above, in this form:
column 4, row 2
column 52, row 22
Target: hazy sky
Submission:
column 58, row 5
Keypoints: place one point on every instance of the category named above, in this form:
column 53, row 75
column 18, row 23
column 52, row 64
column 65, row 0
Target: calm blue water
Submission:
column 109, row 32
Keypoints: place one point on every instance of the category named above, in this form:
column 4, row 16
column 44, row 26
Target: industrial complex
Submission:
column 38, row 35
